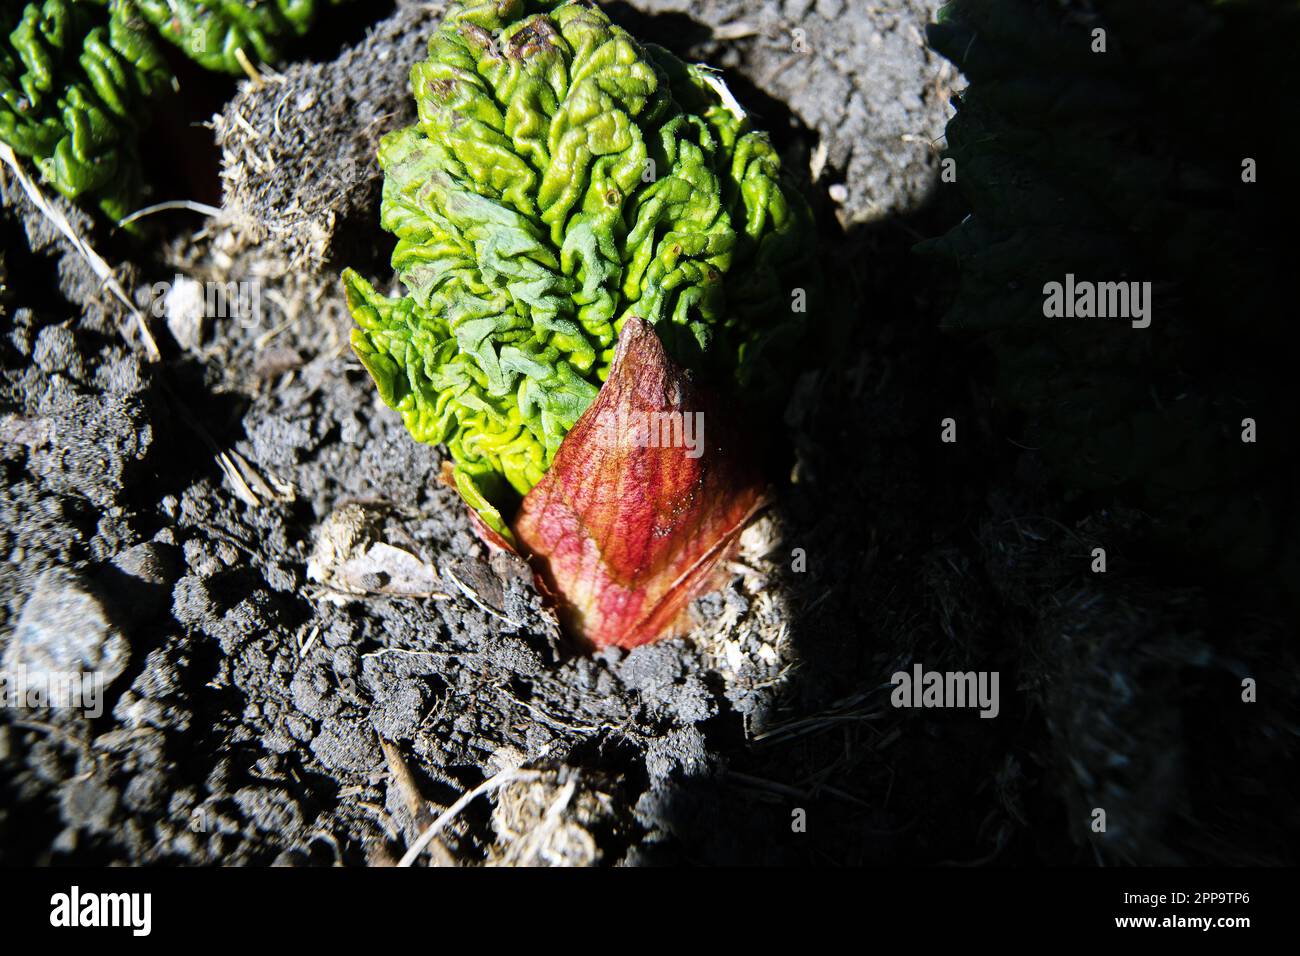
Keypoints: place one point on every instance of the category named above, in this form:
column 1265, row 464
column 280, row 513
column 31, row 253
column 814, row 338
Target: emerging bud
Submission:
column 626, row 527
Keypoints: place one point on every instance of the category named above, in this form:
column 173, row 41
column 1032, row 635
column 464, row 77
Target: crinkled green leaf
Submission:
column 78, row 77
column 210, row 31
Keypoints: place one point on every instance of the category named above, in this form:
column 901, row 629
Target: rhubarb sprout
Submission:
column 562, row 177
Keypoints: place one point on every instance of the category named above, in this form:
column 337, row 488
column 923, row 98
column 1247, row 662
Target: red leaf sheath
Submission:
column 646, row 494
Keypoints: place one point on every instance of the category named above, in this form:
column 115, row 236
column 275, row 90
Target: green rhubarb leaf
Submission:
column 79, row 79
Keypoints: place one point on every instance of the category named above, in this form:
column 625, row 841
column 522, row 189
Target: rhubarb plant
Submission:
column 563, row 184
column 78, row 78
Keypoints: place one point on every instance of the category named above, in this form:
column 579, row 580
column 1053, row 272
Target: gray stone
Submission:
column 63, row 628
